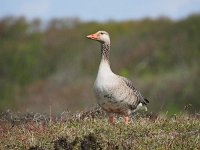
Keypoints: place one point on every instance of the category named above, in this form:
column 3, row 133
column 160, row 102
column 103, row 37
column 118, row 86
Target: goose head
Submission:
column 100, row 36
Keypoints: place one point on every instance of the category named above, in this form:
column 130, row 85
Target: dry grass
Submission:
column 90, row 130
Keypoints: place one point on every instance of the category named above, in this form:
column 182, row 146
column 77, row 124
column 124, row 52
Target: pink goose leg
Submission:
column 126, row 119
column 111, row 120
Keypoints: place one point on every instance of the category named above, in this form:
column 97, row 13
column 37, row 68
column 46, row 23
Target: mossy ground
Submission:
column 90, row 130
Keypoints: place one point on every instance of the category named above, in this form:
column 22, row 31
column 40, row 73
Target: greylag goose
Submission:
column 115, row 94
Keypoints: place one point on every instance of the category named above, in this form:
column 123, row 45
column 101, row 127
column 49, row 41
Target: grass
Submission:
column 90, row 130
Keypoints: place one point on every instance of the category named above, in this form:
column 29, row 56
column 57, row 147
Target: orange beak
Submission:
column 92, row 36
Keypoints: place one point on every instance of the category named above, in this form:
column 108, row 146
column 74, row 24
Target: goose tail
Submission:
column 140, row 107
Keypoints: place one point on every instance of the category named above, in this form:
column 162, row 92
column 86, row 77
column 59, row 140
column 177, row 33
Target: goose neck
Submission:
column 105, row 63
column 105, row 51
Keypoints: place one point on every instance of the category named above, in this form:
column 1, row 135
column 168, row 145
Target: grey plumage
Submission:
column 139, row 98
column 115, row 94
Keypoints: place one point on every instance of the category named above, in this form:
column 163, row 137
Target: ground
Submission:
column 90, row 130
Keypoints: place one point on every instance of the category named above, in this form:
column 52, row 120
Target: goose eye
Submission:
column 101, row 33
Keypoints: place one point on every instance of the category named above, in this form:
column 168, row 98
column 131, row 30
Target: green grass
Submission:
column 90, row 130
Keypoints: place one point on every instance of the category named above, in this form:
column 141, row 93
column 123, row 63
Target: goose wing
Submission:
column 130, row 85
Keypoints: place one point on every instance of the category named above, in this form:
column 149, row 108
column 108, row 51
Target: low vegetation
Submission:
column 90, row 130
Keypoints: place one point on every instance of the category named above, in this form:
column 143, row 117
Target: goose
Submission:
column 114, row 93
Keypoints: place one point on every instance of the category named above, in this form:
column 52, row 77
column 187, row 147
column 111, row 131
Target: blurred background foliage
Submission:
column 52, row 64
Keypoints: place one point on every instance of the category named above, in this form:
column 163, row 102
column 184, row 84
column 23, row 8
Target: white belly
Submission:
column 109, row 95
